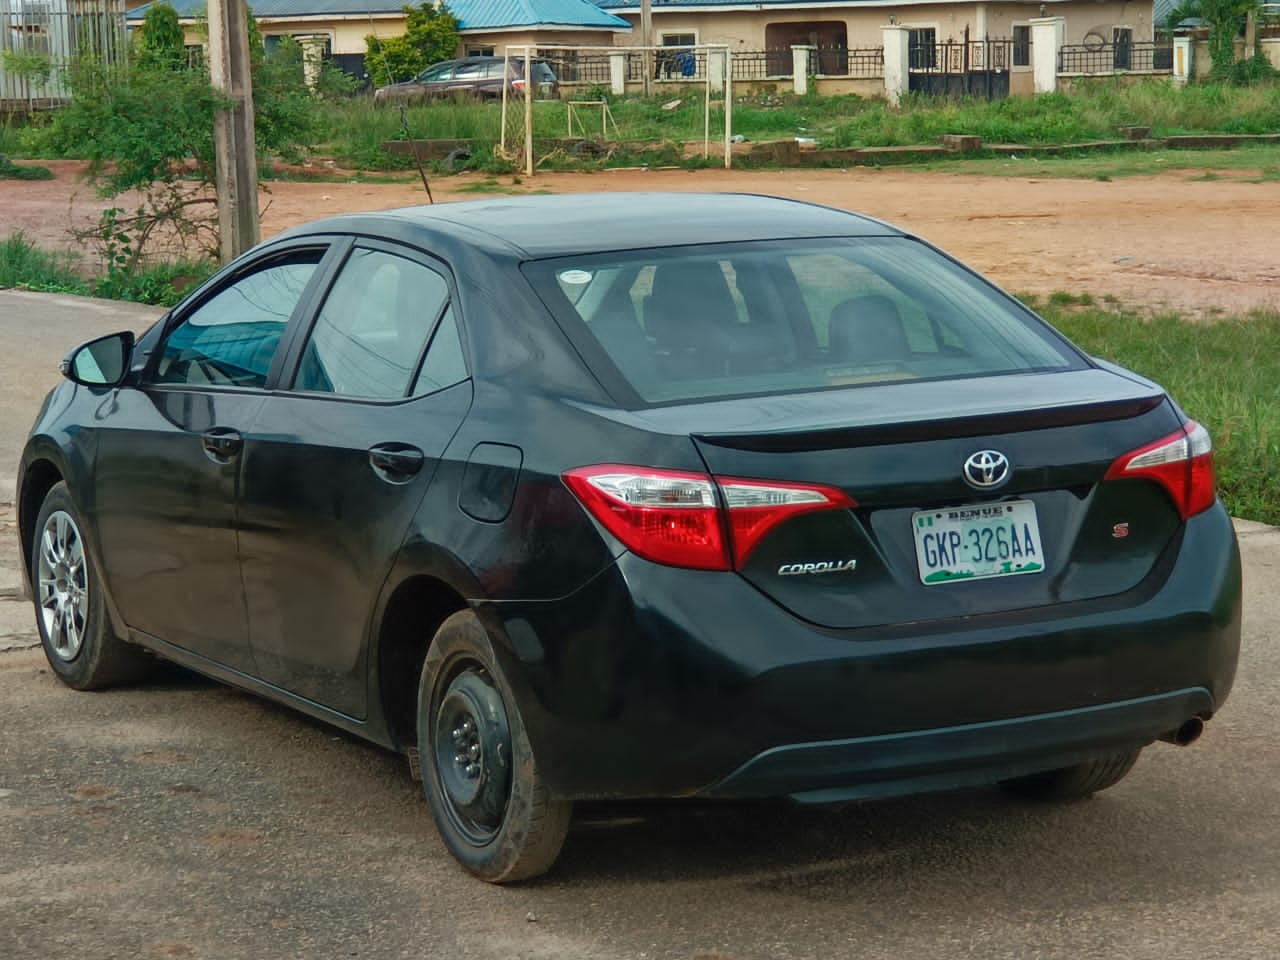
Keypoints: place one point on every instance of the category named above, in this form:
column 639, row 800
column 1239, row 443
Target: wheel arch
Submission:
column 413, row 613
column 40, row 476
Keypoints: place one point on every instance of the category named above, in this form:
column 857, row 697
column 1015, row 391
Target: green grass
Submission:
column 1259, row 160
column 26, row 267
column 1224, row 373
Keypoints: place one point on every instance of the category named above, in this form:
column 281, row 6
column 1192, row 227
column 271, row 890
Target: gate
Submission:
column 961, row 68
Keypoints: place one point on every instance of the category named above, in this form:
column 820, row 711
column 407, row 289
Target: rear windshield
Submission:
column 704, row 322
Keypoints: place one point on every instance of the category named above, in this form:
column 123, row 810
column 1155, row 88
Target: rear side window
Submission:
column 739, row 319
column 373, row 327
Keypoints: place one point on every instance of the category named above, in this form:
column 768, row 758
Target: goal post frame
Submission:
column 529, row 52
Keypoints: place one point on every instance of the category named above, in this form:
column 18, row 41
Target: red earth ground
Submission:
column 1194, row 245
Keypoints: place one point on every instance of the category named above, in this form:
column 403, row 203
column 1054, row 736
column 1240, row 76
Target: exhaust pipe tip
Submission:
column 1186, row 734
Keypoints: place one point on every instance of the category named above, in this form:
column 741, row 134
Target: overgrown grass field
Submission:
column 353, row 130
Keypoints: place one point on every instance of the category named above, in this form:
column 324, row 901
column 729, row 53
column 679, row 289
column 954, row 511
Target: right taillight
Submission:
column 690, row 519
column 1182, row 463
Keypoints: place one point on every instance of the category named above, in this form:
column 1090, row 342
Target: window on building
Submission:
column 1122, row 38
column 480, row 50
column 679, row 39
column 1022, row 46
column 922, row 48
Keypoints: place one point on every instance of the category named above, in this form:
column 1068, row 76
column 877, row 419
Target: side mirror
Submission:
column 100, row 363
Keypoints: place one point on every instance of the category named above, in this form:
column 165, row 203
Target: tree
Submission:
column 148, row 126
column 430, row 35
column 160, row 42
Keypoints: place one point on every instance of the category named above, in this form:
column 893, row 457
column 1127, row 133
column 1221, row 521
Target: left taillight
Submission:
column 1182, row 463
column 686, row 519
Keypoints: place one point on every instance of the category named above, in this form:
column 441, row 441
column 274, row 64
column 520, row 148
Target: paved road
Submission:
column 187, row 820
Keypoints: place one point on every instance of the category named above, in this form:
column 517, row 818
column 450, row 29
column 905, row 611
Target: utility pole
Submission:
column 234, row 148
column 646, row 38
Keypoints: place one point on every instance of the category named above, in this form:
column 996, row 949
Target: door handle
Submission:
column 221, row 444
column 396, row 462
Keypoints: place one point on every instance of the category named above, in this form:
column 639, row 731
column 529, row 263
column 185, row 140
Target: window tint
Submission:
column 441, row 71
column 792, row 315
column 444, row 364
column 372, row 328
column 230, row 339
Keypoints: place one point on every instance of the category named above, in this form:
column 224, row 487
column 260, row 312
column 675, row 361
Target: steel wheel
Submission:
column 62, row 583
column 473, row 754
column 495, row 812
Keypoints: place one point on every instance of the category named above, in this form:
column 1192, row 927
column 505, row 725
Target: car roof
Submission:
column 536, row 227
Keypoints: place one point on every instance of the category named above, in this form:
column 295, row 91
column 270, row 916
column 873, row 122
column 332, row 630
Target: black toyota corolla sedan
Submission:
column 639, row 496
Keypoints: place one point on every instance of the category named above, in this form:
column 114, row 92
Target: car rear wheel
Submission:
column 490, row 803
column 70, row 610
column 1077, row 781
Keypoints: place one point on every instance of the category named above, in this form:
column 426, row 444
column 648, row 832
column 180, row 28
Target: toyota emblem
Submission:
column 986, row 469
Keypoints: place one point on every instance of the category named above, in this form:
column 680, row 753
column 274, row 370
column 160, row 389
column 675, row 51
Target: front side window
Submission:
column 373, row 326
column 784, row 316
column 437, row 73
column 231, row 338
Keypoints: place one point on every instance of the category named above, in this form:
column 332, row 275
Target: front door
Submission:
column 168, row 461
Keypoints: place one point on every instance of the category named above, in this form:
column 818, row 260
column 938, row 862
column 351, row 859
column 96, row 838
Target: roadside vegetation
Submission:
column 351, row 130
column 24, row 266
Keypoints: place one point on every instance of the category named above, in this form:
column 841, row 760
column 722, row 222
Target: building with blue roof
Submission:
column 843, row 27
column 338, row 27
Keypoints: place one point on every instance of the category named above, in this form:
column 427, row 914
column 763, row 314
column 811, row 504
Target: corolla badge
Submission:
column 823, row 566
column 986, row 469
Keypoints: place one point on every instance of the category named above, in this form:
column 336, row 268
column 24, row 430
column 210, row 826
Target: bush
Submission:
column 11, row 171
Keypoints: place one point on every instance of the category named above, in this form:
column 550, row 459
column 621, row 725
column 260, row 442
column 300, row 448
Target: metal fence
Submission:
column 682, row 64
column 1134, row 57
column 41, row 39
column 962, row 56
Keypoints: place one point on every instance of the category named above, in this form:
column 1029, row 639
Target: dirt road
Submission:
column 1170, row 241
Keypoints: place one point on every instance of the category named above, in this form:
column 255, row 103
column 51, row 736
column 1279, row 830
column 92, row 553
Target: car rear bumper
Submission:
column 921, row 760
column 652, row 681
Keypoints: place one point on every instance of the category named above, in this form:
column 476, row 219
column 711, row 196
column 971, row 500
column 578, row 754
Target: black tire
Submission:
column 70, row 608
column 490, row 803
column 1075, row 782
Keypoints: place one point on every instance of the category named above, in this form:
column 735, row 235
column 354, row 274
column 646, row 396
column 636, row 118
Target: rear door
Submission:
column 336, row 464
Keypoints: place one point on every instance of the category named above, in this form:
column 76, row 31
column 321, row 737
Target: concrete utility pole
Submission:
column 234, row 148
column 646, row 39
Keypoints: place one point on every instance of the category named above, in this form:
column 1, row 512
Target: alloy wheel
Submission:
column 63, row 585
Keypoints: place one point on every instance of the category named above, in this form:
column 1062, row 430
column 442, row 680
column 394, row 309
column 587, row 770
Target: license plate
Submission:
column 972, row 543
